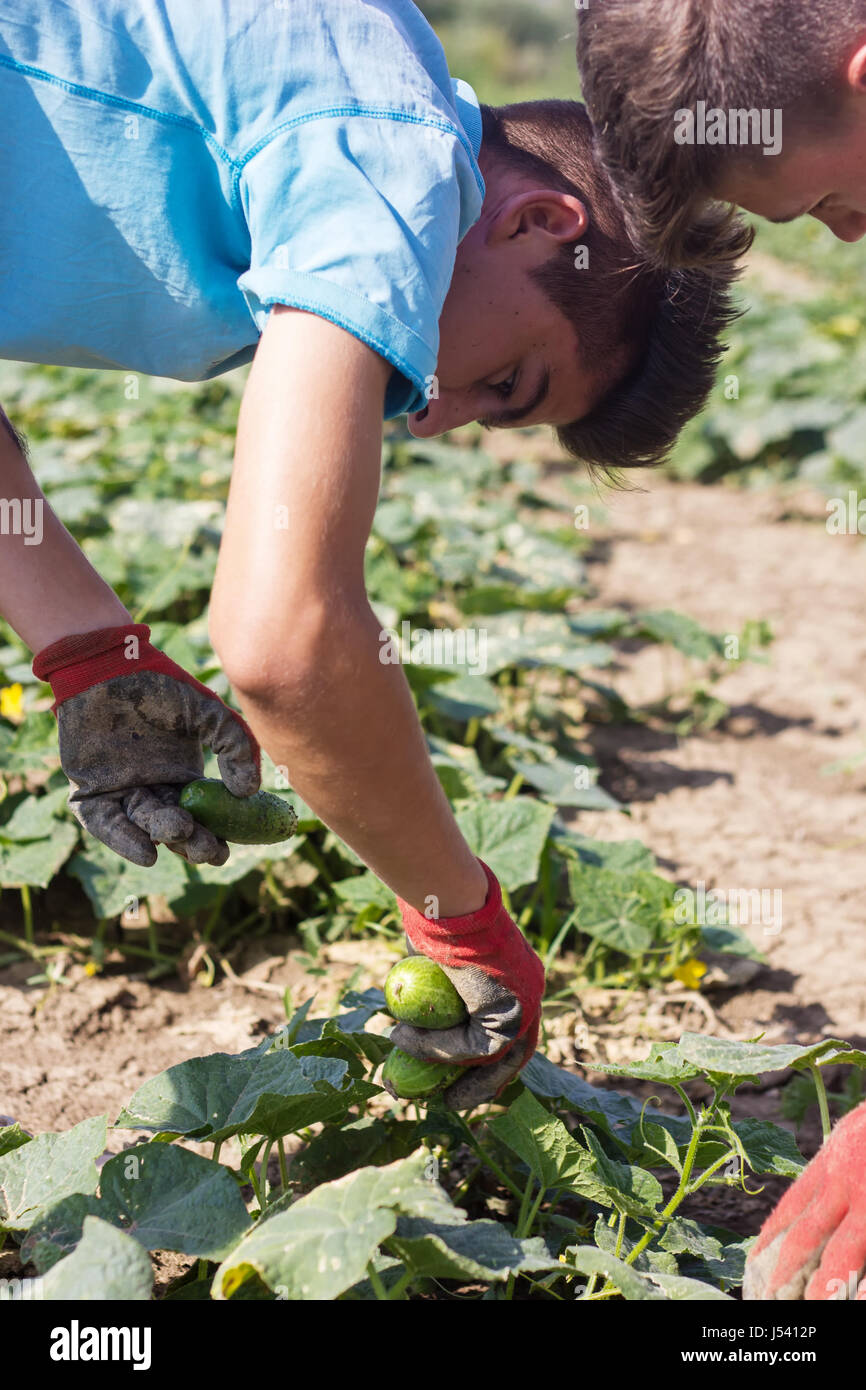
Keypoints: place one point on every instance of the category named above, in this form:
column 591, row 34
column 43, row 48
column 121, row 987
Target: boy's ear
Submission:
column 561, row 217
column 856, row 70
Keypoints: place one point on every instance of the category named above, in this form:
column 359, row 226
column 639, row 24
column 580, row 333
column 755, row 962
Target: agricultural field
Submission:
column 192, row 1079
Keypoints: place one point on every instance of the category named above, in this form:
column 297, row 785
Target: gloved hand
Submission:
column 813, row 1246
column 131, row 725
column 501, row 981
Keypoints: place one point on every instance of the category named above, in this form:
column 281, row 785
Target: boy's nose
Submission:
column 447, row 411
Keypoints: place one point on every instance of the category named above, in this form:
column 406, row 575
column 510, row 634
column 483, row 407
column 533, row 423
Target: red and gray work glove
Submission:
column 131, row 724
column 813, row 1245
column 501, row 981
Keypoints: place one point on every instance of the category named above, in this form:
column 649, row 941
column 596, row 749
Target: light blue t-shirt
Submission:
column 172, row 168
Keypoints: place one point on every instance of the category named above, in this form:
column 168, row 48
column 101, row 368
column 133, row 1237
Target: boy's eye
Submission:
column 504, row 388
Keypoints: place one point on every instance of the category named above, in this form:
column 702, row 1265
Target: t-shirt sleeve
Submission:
column 357, row 218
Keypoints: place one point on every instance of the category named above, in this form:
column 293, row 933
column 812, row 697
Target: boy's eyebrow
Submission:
column 520, row 412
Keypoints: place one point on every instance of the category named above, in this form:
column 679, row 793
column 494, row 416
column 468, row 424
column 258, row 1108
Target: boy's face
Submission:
column 820, row 173
column 823, row 178
column 507, row 355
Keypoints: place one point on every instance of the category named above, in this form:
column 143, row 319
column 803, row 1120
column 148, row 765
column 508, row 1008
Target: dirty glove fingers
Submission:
column 156, row 811
column 843, row 1259
column 105, row 819
column 479, row 1085
column 465, row 1043
column 227, row 735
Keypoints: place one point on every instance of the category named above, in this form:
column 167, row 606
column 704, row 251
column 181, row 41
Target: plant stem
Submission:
column 525, row 1228
column 379, row 1288
column 27, row 908
column 284, row 1173
column 679, row 1195
column 822, row 1099
column 620, row 1233
column 488, row 1158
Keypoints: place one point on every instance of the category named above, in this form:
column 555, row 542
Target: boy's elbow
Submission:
column 282, row 666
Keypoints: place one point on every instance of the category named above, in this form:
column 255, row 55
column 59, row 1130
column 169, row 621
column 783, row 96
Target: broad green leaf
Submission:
column 242, row 859
column 12, row 1137
column 770, row 1149
column 682, row 632
column 625, row 911
column 215, row 1096
column 58, row 1229
column 335, row 1152
column 366, row 890
column 110, row 881
column 623, row 856
column 635, row 1285
column 35, row 818
column 632, row 1189
column 509, row 836
column 724, row 1056
column 171, row 1199
column 556, row 782
column 732, row 940
column 482, row 1250
column 106, row 1266
column 51, row 1166
column 615, row 1114
column 663, row 1063
column 322, row 1244
column 544, row 1144
column 35, row 862
column 466, row 697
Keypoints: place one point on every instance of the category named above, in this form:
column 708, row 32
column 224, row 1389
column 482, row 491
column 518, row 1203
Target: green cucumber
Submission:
column 417, row 991
column 261, row 819
column 407, row 1078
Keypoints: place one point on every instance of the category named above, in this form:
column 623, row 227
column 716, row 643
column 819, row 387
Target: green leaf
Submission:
column 509, row 836
column 725, row 1057
column 466, row 697
column 732, row 940
column 241, row 861
column 623, row 856
column 107, row 1265
column 555, row 780
column 12, row 1137
column 58, row 1229
column 110, row 881
column 636, row 1286
column 35, row 818
column 51, row 1166
column 682, row 632
column 615, row 1114
column 219, row 1095
column 770, row 1149
column 322, row 1244
column 544, row 1144
column 171, row 1199
column 663, row 1063
column 625, row 911
column 482, row 1250
column 363, row 1143
column 366, row 890
column 35, row 862
column 633, row 1190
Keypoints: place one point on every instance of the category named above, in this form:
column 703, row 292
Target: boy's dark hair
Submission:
column 657, row 332
column 643, row 61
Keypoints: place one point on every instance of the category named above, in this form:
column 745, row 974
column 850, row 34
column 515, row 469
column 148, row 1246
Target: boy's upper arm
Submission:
column 307, row 472
column 356, row 217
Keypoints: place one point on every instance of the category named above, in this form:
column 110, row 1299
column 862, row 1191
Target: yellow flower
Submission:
column 91, row 968
column 12, row 702
column 690, row 973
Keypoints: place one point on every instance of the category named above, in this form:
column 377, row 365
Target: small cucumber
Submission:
column 410, row 1079
column 418, row 991
column 261, row 819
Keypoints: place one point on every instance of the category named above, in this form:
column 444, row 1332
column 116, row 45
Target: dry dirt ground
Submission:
column 747, row 806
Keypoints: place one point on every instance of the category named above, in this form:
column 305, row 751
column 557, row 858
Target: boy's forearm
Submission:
column 48, row 588
column 349, row 736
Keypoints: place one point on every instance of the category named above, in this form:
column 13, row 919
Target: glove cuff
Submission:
column 444, row 930
column 75, row 663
